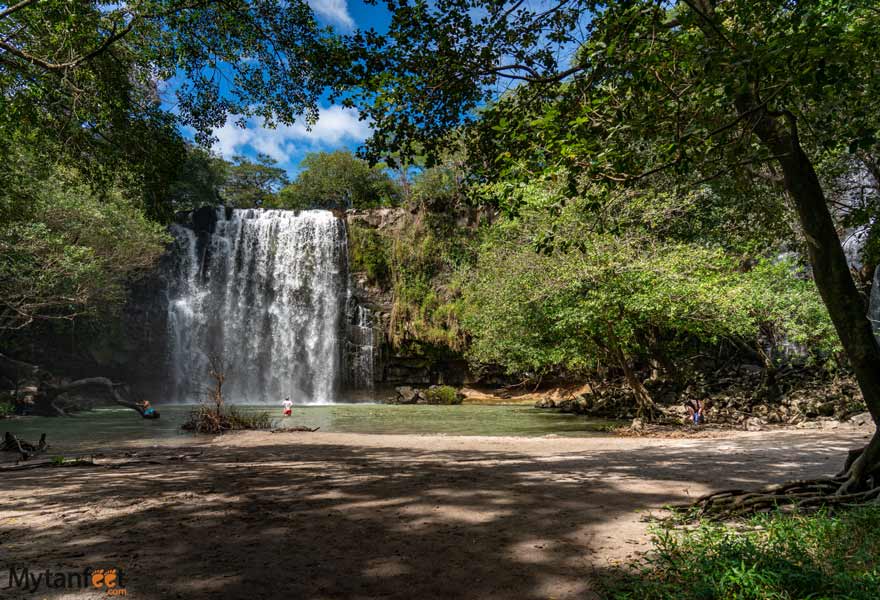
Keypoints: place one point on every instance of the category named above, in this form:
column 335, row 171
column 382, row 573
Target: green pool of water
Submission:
column 108, row 425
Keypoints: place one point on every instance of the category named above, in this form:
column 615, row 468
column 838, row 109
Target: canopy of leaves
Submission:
column 249, row 183
column 338, row 180
column 85, row 81
column 594, row 293
column 66, row 251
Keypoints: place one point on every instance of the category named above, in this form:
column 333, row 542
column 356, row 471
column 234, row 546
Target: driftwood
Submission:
column 43, row 390
column 98, row 461
column 25, row 449
column 298, row 428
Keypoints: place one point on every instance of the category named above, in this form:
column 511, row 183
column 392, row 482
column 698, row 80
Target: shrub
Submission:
column 212, row 418
column 442, row 394
column 777, row 556
column 6, row 410
column 368, row 254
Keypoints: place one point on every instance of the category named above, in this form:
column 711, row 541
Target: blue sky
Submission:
column 337, row 127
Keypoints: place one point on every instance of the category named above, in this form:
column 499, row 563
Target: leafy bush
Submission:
column 67, row 250
column 338, row 180
column 6, row 410
column 442, row 394
column 590, row 298
column 773, row 557
column 212, row 418
column 368, row 253
column 425, row 261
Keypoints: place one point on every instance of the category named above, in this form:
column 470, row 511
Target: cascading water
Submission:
column 265, row 291
column 362, row 346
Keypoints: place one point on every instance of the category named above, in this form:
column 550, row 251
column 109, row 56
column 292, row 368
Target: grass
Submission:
column 820, row 556
column 211, row 418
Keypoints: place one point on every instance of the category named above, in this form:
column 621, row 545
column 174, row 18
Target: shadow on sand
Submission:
column 346, row 521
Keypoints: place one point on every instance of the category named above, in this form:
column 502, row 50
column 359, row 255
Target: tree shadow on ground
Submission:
column 326, row 520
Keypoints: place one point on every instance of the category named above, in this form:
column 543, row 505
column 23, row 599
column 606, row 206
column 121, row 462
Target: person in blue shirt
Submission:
column 149, row 412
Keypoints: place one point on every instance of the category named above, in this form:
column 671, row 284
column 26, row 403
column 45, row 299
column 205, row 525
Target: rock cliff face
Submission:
column 370, row 316
column 137, row 351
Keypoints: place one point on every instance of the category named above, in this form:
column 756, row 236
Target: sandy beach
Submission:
column 354, row 516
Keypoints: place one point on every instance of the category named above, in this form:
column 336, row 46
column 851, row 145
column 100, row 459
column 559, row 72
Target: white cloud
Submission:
column 335, row 11
column 336, row 126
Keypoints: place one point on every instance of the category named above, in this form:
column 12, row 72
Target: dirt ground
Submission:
column 351, row 516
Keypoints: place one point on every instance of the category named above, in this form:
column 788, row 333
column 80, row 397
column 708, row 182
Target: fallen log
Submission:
column 298, row 428
column 94, row 461
column 43, row 390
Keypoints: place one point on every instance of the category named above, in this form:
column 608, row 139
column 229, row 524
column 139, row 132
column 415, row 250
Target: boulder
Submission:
column 406, row 395
column 545, row 402
column 754, row 424
column 862, row 420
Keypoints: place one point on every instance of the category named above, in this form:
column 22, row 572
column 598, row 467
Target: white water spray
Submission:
column 266, row 292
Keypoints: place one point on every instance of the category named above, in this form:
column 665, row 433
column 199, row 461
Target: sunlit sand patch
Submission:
column 533, row 550
column 386, row 567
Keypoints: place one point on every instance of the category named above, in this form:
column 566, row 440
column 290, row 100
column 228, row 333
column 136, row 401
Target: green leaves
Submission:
column 66, row 251
column 338, row 180
column 536, row 304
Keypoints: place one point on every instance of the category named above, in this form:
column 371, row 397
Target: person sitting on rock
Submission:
column 695, row 408
column 149, row 412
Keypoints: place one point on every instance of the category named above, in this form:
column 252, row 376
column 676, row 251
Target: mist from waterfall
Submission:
column 266, row 292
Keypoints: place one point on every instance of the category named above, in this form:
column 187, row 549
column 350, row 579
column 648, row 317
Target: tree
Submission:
column 85, row 81
column 339, row 180
column 249, row 184
column 201, row 177
column 703, row 89
column 66, row 251
column 606, row 295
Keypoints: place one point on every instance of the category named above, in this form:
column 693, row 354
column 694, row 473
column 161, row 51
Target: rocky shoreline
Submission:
column 746, row 398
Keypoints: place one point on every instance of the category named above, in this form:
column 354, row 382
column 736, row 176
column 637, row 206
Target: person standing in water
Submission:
column 288, row 406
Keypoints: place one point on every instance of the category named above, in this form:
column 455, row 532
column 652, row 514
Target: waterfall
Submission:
column 362, row 346
column 264, row 290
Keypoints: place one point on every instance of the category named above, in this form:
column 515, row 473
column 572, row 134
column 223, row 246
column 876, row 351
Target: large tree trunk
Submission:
column 778, row 132
column 645, row 406
column 39, row 386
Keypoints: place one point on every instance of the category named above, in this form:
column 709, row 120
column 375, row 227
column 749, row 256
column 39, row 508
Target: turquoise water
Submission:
column 108, row 425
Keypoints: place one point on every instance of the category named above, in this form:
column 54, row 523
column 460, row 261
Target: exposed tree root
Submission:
column 25, row 449
column 858, row 483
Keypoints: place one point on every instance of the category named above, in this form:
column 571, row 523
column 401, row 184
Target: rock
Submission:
column 754, row 424
column 564, row 405
column 862, row 420
column 545, row 403
column 826, row 409
column 406, row 395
